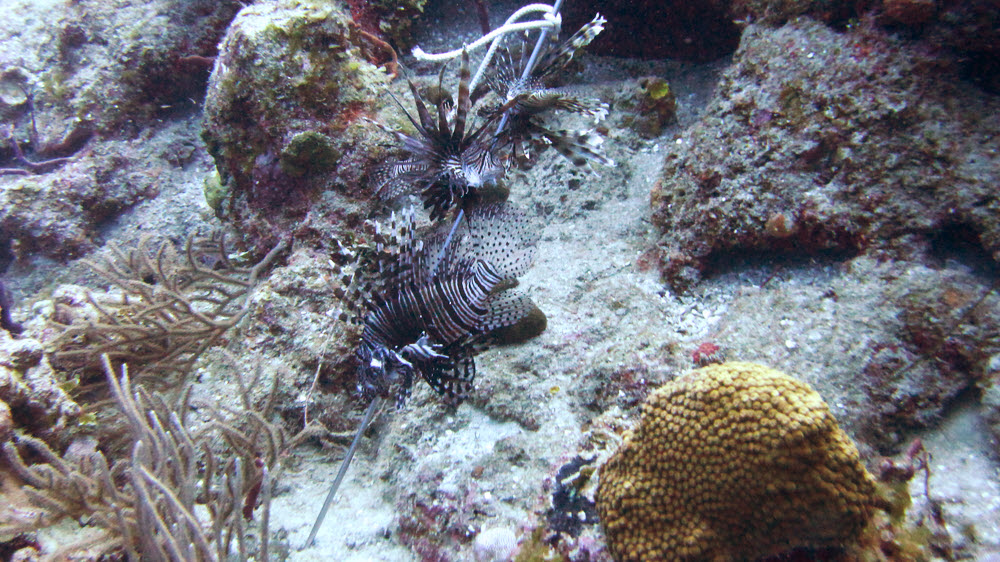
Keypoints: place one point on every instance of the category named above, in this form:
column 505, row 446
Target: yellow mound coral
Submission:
column 733, row 462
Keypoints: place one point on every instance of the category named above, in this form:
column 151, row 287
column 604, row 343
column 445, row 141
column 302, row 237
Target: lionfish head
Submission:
column 474, row 168
column 383, row 372
column 448, row 158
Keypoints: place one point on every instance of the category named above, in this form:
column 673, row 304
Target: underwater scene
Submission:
column 474, row 280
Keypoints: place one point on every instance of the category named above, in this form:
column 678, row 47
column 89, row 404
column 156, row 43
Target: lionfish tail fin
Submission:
column 507, row 309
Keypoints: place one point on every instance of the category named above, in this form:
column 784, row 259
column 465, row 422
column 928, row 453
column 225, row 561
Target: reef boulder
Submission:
column 818, row 141
column 283, row 116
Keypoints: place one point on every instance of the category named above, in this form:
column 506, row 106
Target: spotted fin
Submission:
column 502, row 236
column 499, row 235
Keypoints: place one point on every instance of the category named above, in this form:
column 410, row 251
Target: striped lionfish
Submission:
column 428, row 306
column 448, row 160
column 526, row 99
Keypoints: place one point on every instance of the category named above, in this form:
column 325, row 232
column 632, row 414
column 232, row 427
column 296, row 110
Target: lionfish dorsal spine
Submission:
column 563, row 53
column 426, row 124
column 464, row 103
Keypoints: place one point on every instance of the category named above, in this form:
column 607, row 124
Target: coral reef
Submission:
column 291, row 323
column 899, row 348
column 990, row 387
column 59, row 213
column 283, row 119
column 910, row 340
column 494, row 545
column 818, row 142
column 31, row 392
column 83, row 86
column 392, row 19
column 113, row 66
column 733, row 461
column 950, row 317
column 7, row 321
column 653, row 106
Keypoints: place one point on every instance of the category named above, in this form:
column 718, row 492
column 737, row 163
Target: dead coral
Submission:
column 171, row 307
column 7, row 321
column 31, row 390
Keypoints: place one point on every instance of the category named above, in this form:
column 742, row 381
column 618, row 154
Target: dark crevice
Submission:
column 770, row 261
column 960, row 244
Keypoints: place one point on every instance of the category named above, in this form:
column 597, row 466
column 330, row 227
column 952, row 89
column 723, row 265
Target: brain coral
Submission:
column 732, row 462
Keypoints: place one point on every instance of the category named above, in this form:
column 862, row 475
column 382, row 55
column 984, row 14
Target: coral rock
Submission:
column 862, row 124
column 733, row 461
column 283, row 116
column 6, row 422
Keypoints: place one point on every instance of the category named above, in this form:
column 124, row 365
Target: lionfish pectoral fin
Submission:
column 579, row 147
column 396, row 178
column 502, row 237
column 584, row 106
column 423, row 350
column 452, row 378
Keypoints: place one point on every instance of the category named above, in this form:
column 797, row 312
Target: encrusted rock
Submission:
column 821, row 142
column 30, row 390
column 283, row 117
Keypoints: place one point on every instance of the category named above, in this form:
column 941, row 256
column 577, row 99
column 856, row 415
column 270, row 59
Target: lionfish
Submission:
column 448, row 160
column 525, row 99
column 428, row 306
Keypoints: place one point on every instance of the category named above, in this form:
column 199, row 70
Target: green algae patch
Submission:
column 309, row 152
